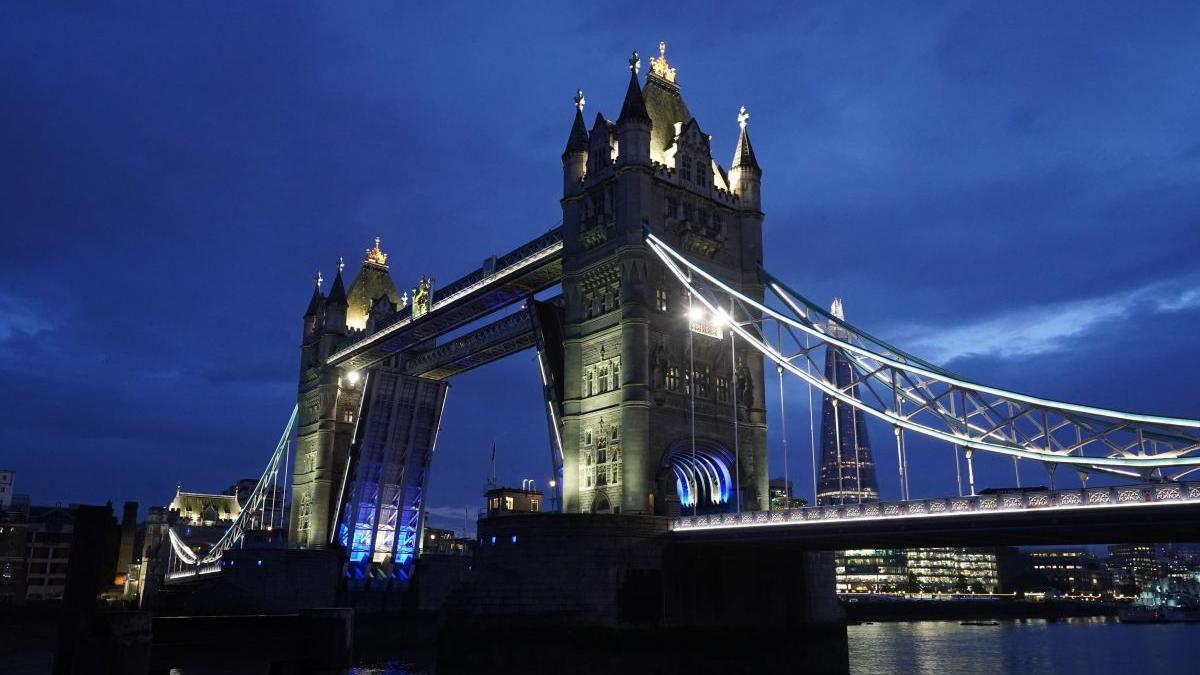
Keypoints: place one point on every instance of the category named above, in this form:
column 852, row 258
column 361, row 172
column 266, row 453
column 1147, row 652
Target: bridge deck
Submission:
column 518, row 274
column 1161, row 512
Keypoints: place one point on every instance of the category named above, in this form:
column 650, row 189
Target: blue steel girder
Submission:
column 513, row 277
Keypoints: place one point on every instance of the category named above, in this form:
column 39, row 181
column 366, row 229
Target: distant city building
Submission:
column 503, row 500
column 8, row 480
column 198, row 508
column 781, row 495
column 952, row 570
column 49, row 546
column 1072, row 570
column 438, row 541
column 14, row 533
column 1181, row 561
column 1134, row 565
column 871, row 570
column 847, row 471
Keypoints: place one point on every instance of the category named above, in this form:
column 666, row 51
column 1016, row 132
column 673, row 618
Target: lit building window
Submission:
column 660, row 299
column 672, row 378
column 723, row 389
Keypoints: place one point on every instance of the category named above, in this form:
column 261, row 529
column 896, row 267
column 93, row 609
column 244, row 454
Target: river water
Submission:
column 1092, row 646
column 1072, row 646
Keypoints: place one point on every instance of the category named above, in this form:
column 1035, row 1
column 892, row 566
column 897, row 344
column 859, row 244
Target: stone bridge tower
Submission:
column 626, row 409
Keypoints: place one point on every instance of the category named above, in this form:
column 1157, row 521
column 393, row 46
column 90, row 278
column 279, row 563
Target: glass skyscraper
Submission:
column 847, row 471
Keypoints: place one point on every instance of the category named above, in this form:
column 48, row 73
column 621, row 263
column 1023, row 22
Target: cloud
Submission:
column 18, row 318
column 1043, row 329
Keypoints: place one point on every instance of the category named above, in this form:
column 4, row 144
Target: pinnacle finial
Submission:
column 659, row 66
column 635, row 63
column 580, row 101
column 743, row 117
column 376, row 255
column 341, row 264
column 319, row 279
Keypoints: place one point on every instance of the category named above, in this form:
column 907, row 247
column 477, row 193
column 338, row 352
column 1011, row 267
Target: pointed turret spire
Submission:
column 578, row 140
column 743, row 155
column 337, row 294
column 634, row 108
column 318, row 299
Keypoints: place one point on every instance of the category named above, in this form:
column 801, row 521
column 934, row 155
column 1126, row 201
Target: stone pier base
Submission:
column 592, row 593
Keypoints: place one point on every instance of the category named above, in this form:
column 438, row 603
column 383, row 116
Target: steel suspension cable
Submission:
column 787, row 478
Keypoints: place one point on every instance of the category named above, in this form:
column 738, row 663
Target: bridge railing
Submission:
column 1000, row 501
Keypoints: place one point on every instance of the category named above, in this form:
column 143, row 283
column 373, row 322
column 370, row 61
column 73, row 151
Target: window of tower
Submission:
column 672, row 378
column 699, row 171
column 672, row 207
column 603, row 379
column 603, row 303
column 616, row 379
column 660, row 299
column 616, row 296
column 685, row 169
column 702, row 382
column 591, row 382
column 723, row 389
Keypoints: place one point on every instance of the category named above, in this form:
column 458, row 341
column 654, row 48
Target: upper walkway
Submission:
column 497, row 283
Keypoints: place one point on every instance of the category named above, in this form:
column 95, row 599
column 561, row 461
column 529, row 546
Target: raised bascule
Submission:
column 654, row 361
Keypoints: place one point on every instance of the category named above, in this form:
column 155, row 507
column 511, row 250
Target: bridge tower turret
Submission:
column 745, row 177
column 628, row 340
column 575, row 156
column 328, row 398
column 633, row 126
column 315, row 311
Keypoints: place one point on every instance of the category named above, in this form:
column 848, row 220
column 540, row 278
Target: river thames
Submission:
column 1092, row 646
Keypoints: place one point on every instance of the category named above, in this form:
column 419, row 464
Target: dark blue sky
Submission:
column 1007, row 189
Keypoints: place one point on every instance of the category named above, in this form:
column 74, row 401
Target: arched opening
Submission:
column 600, row 504
column 703, row 478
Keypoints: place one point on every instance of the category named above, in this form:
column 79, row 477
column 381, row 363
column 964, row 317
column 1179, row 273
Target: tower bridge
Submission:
column 654, row 362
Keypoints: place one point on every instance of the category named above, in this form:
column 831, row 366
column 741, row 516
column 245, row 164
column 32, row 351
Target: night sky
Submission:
column 1008, row 190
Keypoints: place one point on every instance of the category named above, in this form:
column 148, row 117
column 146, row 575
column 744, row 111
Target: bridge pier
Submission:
column 557, row 589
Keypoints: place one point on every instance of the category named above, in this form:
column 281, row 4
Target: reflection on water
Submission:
column 1084, row 646
column 1093, row 645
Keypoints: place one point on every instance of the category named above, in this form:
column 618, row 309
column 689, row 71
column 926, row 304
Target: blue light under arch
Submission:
column 705, row 476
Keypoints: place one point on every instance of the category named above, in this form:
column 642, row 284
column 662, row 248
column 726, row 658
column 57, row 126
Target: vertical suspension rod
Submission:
column 787, row 479
column 737, row 459
column 692, row 396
